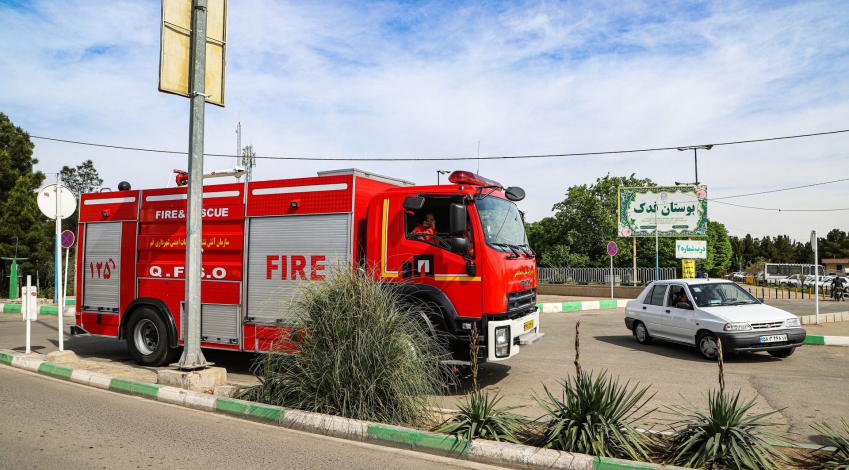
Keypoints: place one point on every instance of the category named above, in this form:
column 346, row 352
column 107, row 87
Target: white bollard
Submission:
column 25, row 308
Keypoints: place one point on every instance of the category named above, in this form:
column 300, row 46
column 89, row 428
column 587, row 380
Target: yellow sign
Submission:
column 174, row 49
column 688, row 268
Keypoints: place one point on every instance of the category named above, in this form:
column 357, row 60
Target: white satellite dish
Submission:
column 46, row 200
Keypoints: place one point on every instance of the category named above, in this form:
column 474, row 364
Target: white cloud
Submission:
column 432, row 79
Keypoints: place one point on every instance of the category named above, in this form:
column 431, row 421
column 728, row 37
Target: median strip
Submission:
column 557, row 307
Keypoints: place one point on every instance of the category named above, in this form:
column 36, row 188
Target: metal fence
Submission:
column 602, row 275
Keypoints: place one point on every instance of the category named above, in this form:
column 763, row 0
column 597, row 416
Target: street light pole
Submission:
column 695, row 149
column 440, row 172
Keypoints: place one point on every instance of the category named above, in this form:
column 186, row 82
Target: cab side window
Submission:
column 647, row 298
column 657, row 295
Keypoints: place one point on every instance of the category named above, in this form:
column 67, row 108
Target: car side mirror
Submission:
column 414, row 203
column 761, row 299
column 457, row 220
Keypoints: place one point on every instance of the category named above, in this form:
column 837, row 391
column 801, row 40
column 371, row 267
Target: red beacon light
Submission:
column 467, row 177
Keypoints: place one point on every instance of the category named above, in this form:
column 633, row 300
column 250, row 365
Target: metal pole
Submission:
column 634, row 240
column 816, row 280
column 656, row 250
column 61, row 311
column 25, row 300
column 696, row 155
column 192, row 357
column 611, row 278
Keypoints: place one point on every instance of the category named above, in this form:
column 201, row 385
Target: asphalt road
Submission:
column 808, row 387
column 48, row 423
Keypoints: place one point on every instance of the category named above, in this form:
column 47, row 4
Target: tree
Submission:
column 719, row 251
column 19, row 214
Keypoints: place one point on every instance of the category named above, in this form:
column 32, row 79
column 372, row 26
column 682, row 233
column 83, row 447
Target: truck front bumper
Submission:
column 505, row 337
column 751, row 342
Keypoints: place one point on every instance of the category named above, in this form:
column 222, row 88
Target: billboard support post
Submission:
column 192, row 357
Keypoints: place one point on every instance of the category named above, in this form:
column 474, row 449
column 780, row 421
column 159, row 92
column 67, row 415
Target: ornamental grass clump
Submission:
column 838, row 459
column 478, row 417
column 727, row 435
column 358, row 349
column 595, row 416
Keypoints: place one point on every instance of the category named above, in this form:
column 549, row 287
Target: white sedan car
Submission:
column 697, row 312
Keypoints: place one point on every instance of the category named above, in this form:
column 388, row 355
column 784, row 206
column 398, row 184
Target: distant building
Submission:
column 836, row 265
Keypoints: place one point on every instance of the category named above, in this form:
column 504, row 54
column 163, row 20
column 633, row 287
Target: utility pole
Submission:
column 192, row 357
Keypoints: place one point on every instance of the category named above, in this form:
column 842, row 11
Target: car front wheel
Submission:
column 642, row 334
column 706, row 342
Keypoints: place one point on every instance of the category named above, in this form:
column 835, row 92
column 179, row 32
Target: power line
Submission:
column 784, row 189
column 780, row 210
column 513, row 157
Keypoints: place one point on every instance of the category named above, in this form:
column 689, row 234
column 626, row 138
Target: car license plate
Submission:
column 529, row 325
column 773, row 338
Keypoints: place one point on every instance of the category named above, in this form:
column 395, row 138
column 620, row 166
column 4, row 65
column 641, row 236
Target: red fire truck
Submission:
column 262, row 240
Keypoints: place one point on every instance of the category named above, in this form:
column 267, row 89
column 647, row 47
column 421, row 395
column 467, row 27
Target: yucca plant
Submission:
column 727, row 435
column 360, row 350
column 478, row 418
column 839, row 457
column 596, row 416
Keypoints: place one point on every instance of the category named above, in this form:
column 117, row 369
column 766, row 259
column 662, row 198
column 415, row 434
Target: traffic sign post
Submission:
column 57, row 202
column 612, row 249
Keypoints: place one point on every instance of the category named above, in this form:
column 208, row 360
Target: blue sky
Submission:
column 430, row 79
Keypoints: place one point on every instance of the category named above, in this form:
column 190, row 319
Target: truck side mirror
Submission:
column 414, row 203
column 457, row 219
column 459, row 245
column 514, row 193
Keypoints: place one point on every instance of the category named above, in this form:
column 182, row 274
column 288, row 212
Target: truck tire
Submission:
column 147, row 339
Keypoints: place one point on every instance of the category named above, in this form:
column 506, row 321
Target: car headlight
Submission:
column 502, row 341
column 738, row 327
column 792, row 323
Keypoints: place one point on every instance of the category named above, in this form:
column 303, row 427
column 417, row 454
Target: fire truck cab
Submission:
column 262, row 240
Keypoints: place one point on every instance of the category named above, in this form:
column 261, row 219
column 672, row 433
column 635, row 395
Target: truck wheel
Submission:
column 147, row 339
column 642, row 333
column 706, row 342
column 782, row 353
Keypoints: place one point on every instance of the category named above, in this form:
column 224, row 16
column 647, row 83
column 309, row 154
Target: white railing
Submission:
column 602, row 275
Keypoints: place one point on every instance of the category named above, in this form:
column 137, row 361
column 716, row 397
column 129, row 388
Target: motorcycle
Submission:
column 837, row 293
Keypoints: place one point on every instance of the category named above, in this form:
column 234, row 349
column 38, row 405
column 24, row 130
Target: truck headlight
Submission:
column 502, row 341
column 792, row 323
column 738, row 327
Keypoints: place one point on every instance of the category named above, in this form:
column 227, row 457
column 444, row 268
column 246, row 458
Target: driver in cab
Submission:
column 427, row 226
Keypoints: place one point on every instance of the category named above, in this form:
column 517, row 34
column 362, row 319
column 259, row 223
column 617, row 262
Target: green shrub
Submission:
column 595, row 416
column 839, row 458
column 479, row 418
column 360, row 351
column 727, row 435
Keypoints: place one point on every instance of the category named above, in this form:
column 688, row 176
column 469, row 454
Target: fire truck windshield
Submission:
column 502, row 225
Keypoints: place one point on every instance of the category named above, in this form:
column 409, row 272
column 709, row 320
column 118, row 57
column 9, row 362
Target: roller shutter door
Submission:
column 101, row 267
column 285, row 252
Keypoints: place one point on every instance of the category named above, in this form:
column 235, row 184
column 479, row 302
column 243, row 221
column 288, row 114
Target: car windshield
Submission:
column 502, row 224
column 721, row 294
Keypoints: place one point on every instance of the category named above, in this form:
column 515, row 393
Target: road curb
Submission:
column 42, row 309
column 827, row 340
column 557, row 307
column 482, row 451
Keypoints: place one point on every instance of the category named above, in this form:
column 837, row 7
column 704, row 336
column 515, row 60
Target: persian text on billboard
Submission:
column 677, row 211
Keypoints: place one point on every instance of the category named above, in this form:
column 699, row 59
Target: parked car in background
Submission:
column 792, row 280
column 759, row 278
column 740, row 276
column 698, row 312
